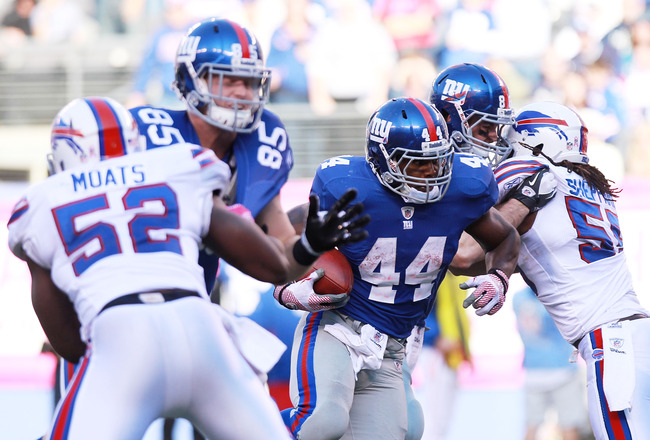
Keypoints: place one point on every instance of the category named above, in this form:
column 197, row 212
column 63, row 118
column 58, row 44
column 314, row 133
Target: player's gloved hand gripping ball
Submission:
column 300, row 295
column 490, row 292
column 326, row 287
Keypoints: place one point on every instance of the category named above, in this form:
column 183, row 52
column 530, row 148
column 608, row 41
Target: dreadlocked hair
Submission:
column 594, row 178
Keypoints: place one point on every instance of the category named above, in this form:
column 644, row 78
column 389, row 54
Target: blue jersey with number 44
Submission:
column 398, row 268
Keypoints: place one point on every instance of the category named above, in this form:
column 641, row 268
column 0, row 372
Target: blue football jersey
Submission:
column 263, row 157
column 398, row 267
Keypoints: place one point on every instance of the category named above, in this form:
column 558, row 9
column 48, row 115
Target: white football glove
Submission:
column 300, row 295
column 490, row 292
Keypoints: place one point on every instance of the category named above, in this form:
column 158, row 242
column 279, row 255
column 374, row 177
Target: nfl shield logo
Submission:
column 407, row 212
column 617, row 343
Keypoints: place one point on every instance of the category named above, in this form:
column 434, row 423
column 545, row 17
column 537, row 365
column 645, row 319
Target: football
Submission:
column 338, row 276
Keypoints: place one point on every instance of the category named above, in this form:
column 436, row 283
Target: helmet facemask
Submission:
column 228, row 113
column 473, row 125
column 417, row 189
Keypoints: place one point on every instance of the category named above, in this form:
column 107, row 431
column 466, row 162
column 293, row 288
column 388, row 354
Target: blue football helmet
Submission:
column 406, row 135
column 214, row 50
column 468, row 95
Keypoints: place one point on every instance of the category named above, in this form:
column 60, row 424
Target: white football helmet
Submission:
column 549, row 128
column 90, row 130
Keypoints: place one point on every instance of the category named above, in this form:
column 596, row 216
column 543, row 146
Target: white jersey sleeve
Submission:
column 573, row 256
column 510, row 173
column 124, row 225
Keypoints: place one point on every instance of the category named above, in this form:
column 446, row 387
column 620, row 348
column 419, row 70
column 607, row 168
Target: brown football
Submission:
column 338, row 276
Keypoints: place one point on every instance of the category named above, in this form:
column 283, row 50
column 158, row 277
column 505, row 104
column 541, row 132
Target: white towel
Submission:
column 414, row 346
column 618, row 365
column 366, row 349
column 259, row 347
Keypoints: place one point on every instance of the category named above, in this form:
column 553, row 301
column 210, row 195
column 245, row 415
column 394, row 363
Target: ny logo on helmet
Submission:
column 379, row 130
column 455, row 91
column 187, row 49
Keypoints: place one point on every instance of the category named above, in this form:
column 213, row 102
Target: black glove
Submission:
column 340, row 225
column 536, row 190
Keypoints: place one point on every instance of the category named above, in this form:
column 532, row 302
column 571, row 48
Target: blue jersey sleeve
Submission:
column 473, row 184
column 161, row 127
column 264, row 161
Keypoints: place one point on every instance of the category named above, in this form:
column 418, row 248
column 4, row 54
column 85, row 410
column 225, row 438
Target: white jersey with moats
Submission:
column 573, row 255
column 91, row 224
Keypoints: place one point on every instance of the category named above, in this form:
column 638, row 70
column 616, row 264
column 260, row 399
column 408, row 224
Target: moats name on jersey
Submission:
column 105, row 177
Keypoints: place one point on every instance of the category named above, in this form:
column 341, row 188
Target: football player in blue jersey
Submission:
column 347, row 362
column 221, row 78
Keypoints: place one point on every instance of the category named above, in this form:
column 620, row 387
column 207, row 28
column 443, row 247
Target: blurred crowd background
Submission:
column 334, row 62
column 337, row 60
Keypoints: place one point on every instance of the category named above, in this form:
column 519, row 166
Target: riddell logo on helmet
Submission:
column 379, row 130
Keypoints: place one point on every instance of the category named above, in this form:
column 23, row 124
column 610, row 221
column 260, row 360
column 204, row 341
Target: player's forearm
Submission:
column 296, row 269
column 513, row 211
column 246, row 247
column 469, row 259
column 56, row 314
column 505, row 255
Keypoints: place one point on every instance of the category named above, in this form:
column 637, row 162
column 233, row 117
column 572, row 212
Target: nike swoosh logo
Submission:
column 532, row 182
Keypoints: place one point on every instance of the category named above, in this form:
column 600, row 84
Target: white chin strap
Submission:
column 227, row 117
column 412, row 195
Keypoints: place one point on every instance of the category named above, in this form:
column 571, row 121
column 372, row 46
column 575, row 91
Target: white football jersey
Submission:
column 573, row 255
column 124, row 225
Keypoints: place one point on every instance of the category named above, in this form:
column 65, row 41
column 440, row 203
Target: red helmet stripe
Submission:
column 504, row 89
column 427, row 117
column 111, row 142
column 243, row 39
column 66, row 131
column 542, row 121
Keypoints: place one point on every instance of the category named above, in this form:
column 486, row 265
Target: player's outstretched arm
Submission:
column 307, row 232
column 245, row 246
column 519, row 209
column 501, row 242
column 56, row 314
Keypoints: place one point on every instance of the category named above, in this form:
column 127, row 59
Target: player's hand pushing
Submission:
column 536, row 190
column 340, row 225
